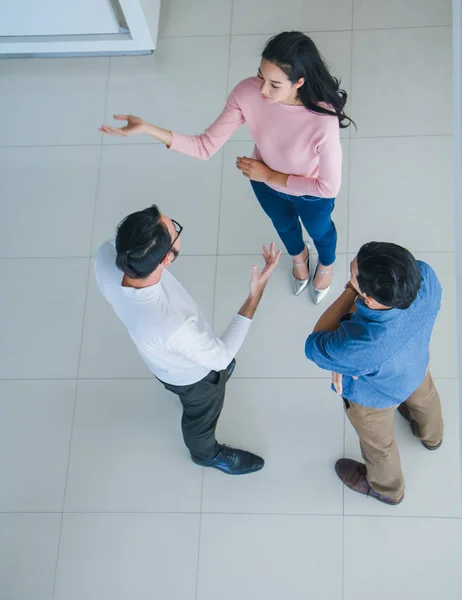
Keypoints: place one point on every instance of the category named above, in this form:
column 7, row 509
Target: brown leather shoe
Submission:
column 404, row 412
column 354, row 475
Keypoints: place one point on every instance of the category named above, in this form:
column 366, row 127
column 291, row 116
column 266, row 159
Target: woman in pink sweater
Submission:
column 294, row 109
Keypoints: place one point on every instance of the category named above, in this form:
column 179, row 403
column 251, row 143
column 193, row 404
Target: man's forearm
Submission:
column 250, row 305
column 330, row 320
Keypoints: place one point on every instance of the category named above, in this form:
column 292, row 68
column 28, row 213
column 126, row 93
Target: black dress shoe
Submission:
column 233, row 461
column 230, row 369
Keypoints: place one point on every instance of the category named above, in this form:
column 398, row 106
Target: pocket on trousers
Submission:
column 213, row 377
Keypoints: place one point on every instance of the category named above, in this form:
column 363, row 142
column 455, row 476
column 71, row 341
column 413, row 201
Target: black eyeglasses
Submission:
column 178, row 229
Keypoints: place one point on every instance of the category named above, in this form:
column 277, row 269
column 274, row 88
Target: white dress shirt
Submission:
column 169, row 330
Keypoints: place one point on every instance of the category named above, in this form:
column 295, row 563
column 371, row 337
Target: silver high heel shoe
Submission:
column 318, row 295
column 300, row 284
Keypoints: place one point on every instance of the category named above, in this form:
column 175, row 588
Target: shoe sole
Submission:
column 431, row 448
column 248, row 472
column 236, row 474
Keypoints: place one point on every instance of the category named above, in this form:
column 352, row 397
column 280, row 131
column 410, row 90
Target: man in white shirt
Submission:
column 170, row 332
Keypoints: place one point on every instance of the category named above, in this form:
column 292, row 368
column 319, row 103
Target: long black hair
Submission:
column 297, row 56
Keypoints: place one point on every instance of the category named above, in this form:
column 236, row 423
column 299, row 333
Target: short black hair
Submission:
column 389, row 274
column 142, row 241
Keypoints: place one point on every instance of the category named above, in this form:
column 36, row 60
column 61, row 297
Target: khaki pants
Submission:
column 375, row 428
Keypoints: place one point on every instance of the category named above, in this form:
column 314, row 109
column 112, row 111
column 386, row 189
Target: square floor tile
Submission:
column 49, row 198
column 186, row 189
column 433, row 486
column 42, row 304
column 297, row 426
column 107, row 349
column 244, row 227
column 395, row 196
column 122, row 556
column 422, row 555
column 317, row 15
column 182, row 86
column 28, row 550
column 391, row 95
column 59, row 101
column 275, row 345
column 34, row 443
column 273, row 557
column 443, row 347
column 245, row 56
column 375, row 14
column 127, row 451
column 201, row 17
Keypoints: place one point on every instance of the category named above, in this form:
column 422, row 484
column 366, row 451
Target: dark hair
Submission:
column 142, row 241
column 389, row 274
column 296, row 54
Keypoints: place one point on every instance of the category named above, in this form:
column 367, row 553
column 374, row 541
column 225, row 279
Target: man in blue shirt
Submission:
column 375, row 339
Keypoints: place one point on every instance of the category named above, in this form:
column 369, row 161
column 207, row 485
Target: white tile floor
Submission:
column 98, row 498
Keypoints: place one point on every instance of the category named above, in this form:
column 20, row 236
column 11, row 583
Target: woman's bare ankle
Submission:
column 301, row 258
column 300, row 265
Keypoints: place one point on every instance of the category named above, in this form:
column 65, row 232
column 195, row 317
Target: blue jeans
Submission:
column 286, row 211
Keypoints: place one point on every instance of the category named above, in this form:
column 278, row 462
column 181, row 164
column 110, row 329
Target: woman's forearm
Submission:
column 163, row 135
column 277, row 178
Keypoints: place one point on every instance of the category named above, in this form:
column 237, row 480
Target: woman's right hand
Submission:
column 134, row 126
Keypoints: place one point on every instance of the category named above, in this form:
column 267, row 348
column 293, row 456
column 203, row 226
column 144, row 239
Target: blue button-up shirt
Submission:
column 386, row 349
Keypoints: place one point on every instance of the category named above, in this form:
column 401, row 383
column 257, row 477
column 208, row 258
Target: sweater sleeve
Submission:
column 326, row 184
column 201, row 348
column 205, row 145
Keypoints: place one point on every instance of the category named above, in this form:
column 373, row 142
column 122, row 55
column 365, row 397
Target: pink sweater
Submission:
column 289, row 139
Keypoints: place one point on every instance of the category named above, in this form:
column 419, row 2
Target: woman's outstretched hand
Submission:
column 134, row 126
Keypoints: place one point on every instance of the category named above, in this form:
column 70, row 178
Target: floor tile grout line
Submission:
column 67, row 466
column 221, row 189
column 196, row 591
column 183, row 255
column 231, row 17
column 269, row 33
column 225, row 513
column 282, row 378
column 343, row 509
column 199, row 539
column 343, row 556
column 235, row 141
column 57, row 550
column 391, row 516
column 350, row 132
column 347, row 248
column 98, row 181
